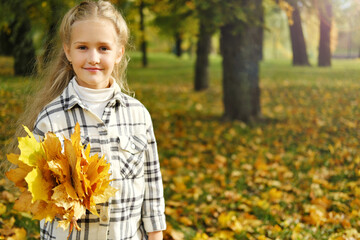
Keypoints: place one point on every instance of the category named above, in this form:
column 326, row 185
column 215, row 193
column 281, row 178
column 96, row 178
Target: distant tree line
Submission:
column 240, row 24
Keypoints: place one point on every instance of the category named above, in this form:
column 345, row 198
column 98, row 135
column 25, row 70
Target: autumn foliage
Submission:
column 293, row 175
column 58, row 182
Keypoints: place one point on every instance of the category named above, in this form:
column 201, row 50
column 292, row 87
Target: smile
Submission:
column 93, row 69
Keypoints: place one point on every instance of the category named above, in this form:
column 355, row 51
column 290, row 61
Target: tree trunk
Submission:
column 24, row 52
column 201, row 81
column 241, row 51
column 325, row 13
column 300, row 57
column 349, row 43
column 261, row 38
column 49, row 43
column 178, row 42
column 143, row 36
column 6, row 46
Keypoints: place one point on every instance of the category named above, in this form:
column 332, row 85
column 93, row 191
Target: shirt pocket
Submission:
column 131, row 155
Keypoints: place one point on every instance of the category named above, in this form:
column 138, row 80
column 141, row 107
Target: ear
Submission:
column 67, row 52
column 120, row 54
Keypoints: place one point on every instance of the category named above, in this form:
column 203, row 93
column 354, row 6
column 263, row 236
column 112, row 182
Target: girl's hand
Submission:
column 155, row 235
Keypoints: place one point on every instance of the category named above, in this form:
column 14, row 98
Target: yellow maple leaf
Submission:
column 275, row 195
column 263, row 237
column 70, row 190
column 97, row 169
column 70, row 217
column 61, row 197
column 39, row 209
column 60, row 168
column 35, row 179
column 317, row 215
column 52, row 146
column 31, row 149
column 19, row 234
column 76, row 140
column 106, row 194
column 71, row 155
column 224, row 234
column 18, row 177
column 2, row 208
column 71, row 180
column 46, row 210
column 21, row 204
column 226, row 218
column 14, row 158
column 201, row 236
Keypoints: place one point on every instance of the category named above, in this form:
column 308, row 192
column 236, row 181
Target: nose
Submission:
column 94, row 57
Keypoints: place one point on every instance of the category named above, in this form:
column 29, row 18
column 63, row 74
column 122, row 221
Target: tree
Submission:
column 201, row 79
column 143, row 36
column 175, row 18
column 6, row 44
column 24, row 51
column 16, row 33
column 178, row 17
column 207, row 26
column 241, row 45
column 300, row 57
column 178, row 36
column 25, row 18
column 325, row 15
column 51, row 13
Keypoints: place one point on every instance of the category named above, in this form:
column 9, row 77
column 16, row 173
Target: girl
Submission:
column 85, row 85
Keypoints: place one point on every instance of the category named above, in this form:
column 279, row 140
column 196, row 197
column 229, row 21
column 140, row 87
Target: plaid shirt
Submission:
column 125, row 136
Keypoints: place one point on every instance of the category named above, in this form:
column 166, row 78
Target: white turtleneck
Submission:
column 95, row 99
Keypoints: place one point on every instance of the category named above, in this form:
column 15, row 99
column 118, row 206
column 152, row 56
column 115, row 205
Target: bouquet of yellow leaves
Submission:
column 56, row 182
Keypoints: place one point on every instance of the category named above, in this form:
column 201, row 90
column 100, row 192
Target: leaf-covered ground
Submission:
column 293, row 175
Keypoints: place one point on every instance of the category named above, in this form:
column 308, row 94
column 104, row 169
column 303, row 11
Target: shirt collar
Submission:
column 119, row 97
column 71, row 98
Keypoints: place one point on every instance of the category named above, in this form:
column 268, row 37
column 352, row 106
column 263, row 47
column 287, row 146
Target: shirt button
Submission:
column 133, row 146
column 104, row 218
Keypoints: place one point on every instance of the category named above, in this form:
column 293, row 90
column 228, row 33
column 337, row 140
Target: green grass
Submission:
column 237, row 180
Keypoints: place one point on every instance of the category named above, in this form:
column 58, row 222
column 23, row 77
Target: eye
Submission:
column 104, row 48
column 82, row 47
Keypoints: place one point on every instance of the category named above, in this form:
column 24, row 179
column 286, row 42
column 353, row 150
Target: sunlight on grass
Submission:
column 293, row 175
column 6, row 66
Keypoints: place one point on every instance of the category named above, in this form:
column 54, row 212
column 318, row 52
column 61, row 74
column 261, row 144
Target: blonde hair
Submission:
column 58, row 71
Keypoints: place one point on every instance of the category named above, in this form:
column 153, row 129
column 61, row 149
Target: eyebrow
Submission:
column 100, row 43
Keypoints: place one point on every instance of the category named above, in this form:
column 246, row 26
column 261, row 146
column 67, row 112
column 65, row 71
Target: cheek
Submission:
column 109, row 61
column 78, row 59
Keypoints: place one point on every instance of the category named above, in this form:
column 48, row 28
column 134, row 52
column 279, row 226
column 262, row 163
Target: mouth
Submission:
column 92, row 69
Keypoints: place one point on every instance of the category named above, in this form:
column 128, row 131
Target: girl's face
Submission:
column 93, row 51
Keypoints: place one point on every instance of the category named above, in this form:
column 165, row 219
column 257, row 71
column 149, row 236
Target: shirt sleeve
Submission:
column 153, row 209
column 42, row 126
column 43, row 123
